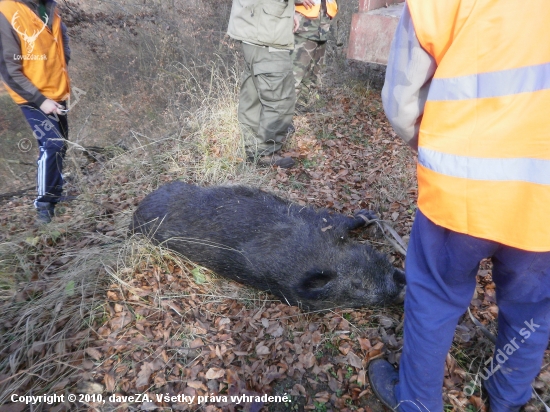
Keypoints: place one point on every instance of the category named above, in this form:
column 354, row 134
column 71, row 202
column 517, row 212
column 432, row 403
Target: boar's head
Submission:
column 357, row 277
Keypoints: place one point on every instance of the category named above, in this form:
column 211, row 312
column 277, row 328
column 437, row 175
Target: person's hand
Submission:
column 296, row 22
column 308, row 4
column 49, row 107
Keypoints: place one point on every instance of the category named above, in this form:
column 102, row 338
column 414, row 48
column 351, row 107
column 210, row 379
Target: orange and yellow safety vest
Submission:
column 313, row 12
column 484, row 142
column 42, row 55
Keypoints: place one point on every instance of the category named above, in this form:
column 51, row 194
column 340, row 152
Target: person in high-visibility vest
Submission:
column 468, row 87
column 34, row 53
column 312, row 21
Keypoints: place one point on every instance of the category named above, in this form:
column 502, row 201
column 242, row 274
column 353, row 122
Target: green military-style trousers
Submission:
column 267, row 98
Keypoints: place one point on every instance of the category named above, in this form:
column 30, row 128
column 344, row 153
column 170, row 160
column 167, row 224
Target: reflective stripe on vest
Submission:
column 484, row 142
column 313, row 12
column 494, row 84
column 515, row 169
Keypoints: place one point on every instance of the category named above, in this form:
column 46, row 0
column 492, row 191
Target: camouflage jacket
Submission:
column 314, row 29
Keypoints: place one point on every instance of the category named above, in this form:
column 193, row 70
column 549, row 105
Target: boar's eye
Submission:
column 314, row 282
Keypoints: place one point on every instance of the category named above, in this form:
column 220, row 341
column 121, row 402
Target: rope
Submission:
column 485, row 331
column 395, row 240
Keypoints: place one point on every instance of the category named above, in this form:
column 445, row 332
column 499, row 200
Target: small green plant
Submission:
column 331, row 347
column 296, row 184
column 309, row 163
column 320, row 407
column 69, row 288
column 198, row 276
column 293, row 404
column 324, row 135
column 347, row 189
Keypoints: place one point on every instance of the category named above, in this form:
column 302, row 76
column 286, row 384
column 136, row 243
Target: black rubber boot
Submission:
column 273, row 160
column 44, row 212
column 383, row 377
column 291, row 130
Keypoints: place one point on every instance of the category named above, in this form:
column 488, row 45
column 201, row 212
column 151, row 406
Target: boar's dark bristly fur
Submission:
column 302, row 255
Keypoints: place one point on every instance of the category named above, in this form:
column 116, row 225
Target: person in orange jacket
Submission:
column 468, row 87
column 34, row 53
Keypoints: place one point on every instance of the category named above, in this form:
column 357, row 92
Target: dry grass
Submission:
column 44, row 324
column 190, row 132
column 185, row 128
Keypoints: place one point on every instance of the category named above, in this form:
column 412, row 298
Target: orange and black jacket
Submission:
column 34, row 51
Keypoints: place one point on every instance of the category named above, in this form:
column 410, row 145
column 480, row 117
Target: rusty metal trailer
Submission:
column 372, row 30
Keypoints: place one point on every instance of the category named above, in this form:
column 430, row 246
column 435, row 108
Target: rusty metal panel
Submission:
column 372, row 33
column 368, row 5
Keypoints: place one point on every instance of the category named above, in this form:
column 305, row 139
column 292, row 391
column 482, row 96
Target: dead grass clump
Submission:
column 44, row 326
column 18, row 146
column 68, row 298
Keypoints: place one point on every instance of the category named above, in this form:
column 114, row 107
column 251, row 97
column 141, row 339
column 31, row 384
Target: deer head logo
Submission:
column 29, row 39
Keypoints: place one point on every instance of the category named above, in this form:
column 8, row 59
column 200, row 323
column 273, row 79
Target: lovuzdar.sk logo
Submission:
column 30, row 39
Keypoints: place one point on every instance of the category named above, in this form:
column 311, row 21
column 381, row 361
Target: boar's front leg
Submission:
column 360, row 219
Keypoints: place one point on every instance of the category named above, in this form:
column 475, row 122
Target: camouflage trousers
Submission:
column 307, row 58
column 266, row 100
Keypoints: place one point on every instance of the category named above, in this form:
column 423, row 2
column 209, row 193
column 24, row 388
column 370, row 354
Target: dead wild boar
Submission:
column 302, row 255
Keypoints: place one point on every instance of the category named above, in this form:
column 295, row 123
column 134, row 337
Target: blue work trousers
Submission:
column 51, row 133
column 441, row 268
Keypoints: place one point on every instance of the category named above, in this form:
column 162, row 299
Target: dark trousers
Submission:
column 51, row 132
column 441, row 269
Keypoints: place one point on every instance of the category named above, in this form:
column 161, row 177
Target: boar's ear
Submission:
column 313, row 285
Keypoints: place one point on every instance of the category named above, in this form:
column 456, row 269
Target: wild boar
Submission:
column 302, row 255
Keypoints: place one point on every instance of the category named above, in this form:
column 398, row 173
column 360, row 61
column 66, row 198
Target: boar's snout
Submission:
column 399, row 278
column 401, row 283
